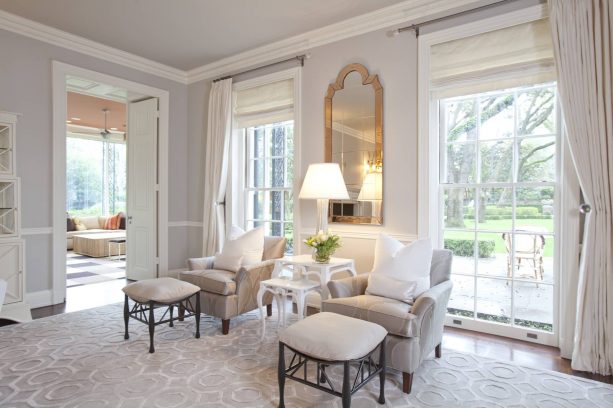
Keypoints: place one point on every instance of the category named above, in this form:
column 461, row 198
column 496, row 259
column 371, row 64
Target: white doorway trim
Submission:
column 59, row 71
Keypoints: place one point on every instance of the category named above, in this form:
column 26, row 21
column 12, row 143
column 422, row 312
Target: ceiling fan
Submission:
column 105, row 133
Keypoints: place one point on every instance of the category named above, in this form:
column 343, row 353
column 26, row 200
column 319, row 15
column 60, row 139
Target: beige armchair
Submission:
column 414, row 331
column 226, row 294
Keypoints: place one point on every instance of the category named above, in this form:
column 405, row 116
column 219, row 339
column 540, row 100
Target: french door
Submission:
column 142, row 260
column 498, row 200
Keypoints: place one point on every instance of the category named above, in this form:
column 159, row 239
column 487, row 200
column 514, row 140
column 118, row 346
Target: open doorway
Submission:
column 111, row 180
column 96, row 182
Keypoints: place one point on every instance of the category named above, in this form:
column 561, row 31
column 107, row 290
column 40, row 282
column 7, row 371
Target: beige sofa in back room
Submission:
column 94, row 225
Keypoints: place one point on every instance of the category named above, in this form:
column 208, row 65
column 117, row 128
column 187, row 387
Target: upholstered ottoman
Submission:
column 151, row 294
column 327, row 339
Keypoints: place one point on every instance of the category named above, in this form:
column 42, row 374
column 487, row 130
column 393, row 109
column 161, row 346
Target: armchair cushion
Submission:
column 212, row 280
column 353, row 286
column 400, row 272
column 392, row 314
column 248, row 245
column 228, row 262
column 199, row 264
column 274, row 247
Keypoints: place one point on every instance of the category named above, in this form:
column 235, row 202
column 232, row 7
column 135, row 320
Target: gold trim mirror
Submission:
column 354, row 140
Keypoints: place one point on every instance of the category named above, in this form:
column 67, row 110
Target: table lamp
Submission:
column 323, row 182
column 372, row 190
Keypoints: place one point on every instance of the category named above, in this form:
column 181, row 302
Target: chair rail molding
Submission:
column 178, row 224
column 368, row 235
column 37, row 231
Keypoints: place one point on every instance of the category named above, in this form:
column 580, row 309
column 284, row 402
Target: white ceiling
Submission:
column 187, row 34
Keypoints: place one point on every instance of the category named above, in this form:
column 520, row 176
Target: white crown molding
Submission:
column 41, row 32
column 409, row 10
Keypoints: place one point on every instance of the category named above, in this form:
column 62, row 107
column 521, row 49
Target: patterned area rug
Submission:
column 81, row 360
column 82, row 270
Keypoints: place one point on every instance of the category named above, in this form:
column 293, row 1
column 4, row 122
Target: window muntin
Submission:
column 269, row 179
column 497, row 192
column 95, row 177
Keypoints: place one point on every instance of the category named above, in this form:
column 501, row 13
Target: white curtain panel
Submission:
column 218, row 134
column 583, row 45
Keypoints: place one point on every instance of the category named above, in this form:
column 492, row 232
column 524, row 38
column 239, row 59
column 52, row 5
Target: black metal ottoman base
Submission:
column 144, row 312
column 367, row 370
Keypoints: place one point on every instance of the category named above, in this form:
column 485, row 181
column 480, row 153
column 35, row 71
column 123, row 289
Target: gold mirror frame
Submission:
column 339, row 84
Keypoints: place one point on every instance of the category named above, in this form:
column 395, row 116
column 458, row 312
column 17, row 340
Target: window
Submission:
column 95, row 177
column 269, row 200
column 264, row 139
column 497, row 190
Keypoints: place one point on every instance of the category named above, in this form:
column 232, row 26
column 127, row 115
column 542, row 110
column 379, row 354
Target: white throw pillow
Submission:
column 400, row 272
column 227, row 262
column 248, row 245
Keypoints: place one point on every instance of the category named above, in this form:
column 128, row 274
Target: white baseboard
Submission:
column 40, row 298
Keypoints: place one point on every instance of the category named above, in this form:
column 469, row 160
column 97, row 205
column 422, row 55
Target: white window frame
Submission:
column 429, row 205
column 239, row 149
column 249, row 189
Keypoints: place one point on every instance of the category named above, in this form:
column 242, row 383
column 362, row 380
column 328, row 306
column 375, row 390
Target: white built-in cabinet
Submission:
column 12, row 268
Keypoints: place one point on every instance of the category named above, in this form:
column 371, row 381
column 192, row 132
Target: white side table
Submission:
column 281, row 289
column 324, row 272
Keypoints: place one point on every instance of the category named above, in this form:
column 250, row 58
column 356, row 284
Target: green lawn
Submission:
column 504, row 225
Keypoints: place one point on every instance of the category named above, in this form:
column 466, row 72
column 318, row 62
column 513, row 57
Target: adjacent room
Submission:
column 96, row 192
column 400, row 203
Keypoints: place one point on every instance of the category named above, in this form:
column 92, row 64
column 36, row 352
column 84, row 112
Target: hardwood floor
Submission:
column 85, row 297
column 520, row 352
column 487, row 345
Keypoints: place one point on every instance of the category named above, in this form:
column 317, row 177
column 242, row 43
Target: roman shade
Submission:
column 264, row 104
column 514, row 56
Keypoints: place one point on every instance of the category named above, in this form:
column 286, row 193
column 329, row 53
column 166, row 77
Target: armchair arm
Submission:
column 348, row 287
column 430, row 308
column 248, row 280
column 199, row 264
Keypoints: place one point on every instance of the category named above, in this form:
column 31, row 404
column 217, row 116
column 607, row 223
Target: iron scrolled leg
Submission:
column 346, row 386
column 382, row 373
column 281, row 375
column 181, row 311
column 151, row 327
column 197, row 315
column 126, row 317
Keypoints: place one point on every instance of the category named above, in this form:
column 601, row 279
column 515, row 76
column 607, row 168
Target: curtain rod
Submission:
column 299, row 58
column 415, row 27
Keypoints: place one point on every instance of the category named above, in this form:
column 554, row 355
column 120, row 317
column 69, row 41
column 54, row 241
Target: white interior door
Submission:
column 141, row 226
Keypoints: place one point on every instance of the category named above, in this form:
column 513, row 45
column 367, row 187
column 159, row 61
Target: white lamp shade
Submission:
column 324, row 181
column 372, row 187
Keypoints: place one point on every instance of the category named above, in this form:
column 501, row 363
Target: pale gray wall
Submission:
column 395, row 61
column 25, row 87
column 198, row 102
